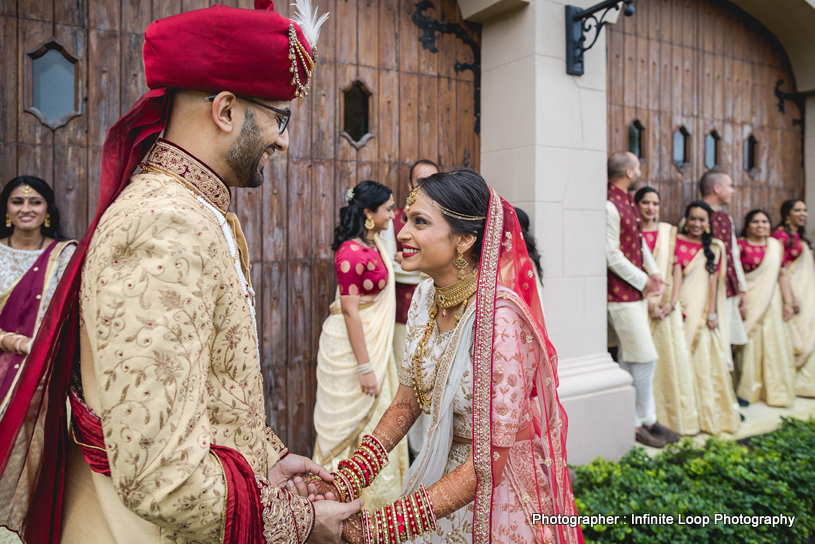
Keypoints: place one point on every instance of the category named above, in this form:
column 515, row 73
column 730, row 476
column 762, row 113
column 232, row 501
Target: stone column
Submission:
column 544, row 148
column 809, row 163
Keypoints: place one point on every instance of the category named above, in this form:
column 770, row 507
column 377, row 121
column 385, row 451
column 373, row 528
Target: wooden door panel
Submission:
column 420, row 108
column 710, row 66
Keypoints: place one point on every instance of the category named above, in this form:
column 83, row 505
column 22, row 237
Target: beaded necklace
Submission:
column 445, row 297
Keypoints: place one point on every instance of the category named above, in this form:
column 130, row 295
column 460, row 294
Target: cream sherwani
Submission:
column 169, row 363
column 629, row 319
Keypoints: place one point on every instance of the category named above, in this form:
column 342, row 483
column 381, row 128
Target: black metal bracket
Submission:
column 799, row 99
column 579, row 22
column 429, row 28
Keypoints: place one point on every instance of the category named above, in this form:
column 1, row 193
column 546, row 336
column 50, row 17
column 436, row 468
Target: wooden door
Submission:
column 420, row 107
column 706, row 66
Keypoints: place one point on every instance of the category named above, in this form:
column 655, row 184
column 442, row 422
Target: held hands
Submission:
column 329, row 520
column 654, row 286
column 290, row 472
column 743, row 305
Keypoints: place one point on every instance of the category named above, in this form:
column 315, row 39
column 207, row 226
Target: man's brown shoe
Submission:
column 664, row 433
column 644, row 436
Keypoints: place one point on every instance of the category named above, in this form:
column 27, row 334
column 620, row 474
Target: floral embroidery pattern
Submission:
column 173, row 355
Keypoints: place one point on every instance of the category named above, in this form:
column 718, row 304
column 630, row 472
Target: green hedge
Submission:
column 767, row 475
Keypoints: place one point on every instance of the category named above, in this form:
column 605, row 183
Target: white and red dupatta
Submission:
column 506, row 280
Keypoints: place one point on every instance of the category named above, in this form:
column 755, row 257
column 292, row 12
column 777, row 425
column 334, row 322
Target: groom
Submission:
column 168, row 408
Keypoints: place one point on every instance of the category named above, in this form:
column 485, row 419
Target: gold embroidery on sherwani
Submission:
column 168, row 159
column 286, row 517
column 173, row 356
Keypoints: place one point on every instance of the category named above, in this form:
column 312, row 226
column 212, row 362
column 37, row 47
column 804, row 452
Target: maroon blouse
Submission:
column 791, row 251
column 360, row 270
column 650, row 238
column 751, row 256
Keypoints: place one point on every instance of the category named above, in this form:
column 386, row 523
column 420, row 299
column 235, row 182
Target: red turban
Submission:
column 252, row 53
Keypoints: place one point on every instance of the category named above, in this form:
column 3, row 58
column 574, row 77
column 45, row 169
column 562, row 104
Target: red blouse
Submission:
column 651, row 238
column 791, row 252
column 751, row 256
column 360, row 270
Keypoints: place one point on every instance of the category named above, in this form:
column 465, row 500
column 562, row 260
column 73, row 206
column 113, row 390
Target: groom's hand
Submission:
column 328, row 518
column 290, row 471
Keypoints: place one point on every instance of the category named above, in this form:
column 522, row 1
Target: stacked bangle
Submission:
column 365, row 368
column 712, row 317
column 358, row 472
column 405, row 519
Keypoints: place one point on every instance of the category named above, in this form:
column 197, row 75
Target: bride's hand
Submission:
column 352, row 529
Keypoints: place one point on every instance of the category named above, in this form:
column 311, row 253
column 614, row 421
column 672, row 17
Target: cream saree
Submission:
column 802, row 324
column 674, row 389
column 767, row 363
column 343, row 414
column 715, row 399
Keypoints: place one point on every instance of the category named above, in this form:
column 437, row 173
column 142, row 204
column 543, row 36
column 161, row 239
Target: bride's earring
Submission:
column 461, row 263
column 369, row 223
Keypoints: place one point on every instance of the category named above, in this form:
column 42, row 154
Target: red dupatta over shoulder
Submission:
column 506, row 281
column 33, row 432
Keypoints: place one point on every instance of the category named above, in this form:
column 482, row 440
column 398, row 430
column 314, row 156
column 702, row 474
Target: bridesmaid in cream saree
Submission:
column 479, row 362
column 674, row 388
column 697, row 284
column 356, row 371
column 800, row 266
column 767, row 364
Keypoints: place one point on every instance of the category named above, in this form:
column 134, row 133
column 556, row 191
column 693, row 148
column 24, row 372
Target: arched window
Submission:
column 712, row 149
column 750, row 148
column 635, row 132
column 356, row 114
column 51, row 85
column 681, row 147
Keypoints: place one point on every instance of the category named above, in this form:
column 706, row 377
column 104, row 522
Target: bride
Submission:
column 480, row 364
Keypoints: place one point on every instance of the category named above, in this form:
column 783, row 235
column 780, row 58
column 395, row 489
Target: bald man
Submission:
column 716, row 188
column 632, row 276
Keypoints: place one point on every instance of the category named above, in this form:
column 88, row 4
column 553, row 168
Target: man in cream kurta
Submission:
column 632, row 275
column 169, row 359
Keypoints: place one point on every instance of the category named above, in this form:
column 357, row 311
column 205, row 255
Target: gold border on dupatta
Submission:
column 482, row 371
column 716, row 245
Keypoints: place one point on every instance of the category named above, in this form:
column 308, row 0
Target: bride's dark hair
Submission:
column 463, row 192
column 367, row 194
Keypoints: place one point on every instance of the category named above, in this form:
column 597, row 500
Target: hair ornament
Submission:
column 412, row 198
column 349, row 196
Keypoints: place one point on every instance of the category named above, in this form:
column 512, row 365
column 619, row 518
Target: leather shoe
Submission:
column 644, row 436
column 664, row 433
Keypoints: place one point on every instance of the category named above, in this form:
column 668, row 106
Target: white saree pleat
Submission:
column 767, row 364
column 342, row 413
column 715, row 398
column 802, row 325
column 674, row 389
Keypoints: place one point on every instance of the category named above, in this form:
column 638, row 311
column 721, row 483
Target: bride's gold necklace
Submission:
column 446, row 297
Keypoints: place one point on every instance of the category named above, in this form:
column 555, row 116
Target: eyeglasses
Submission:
column 282, row 120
